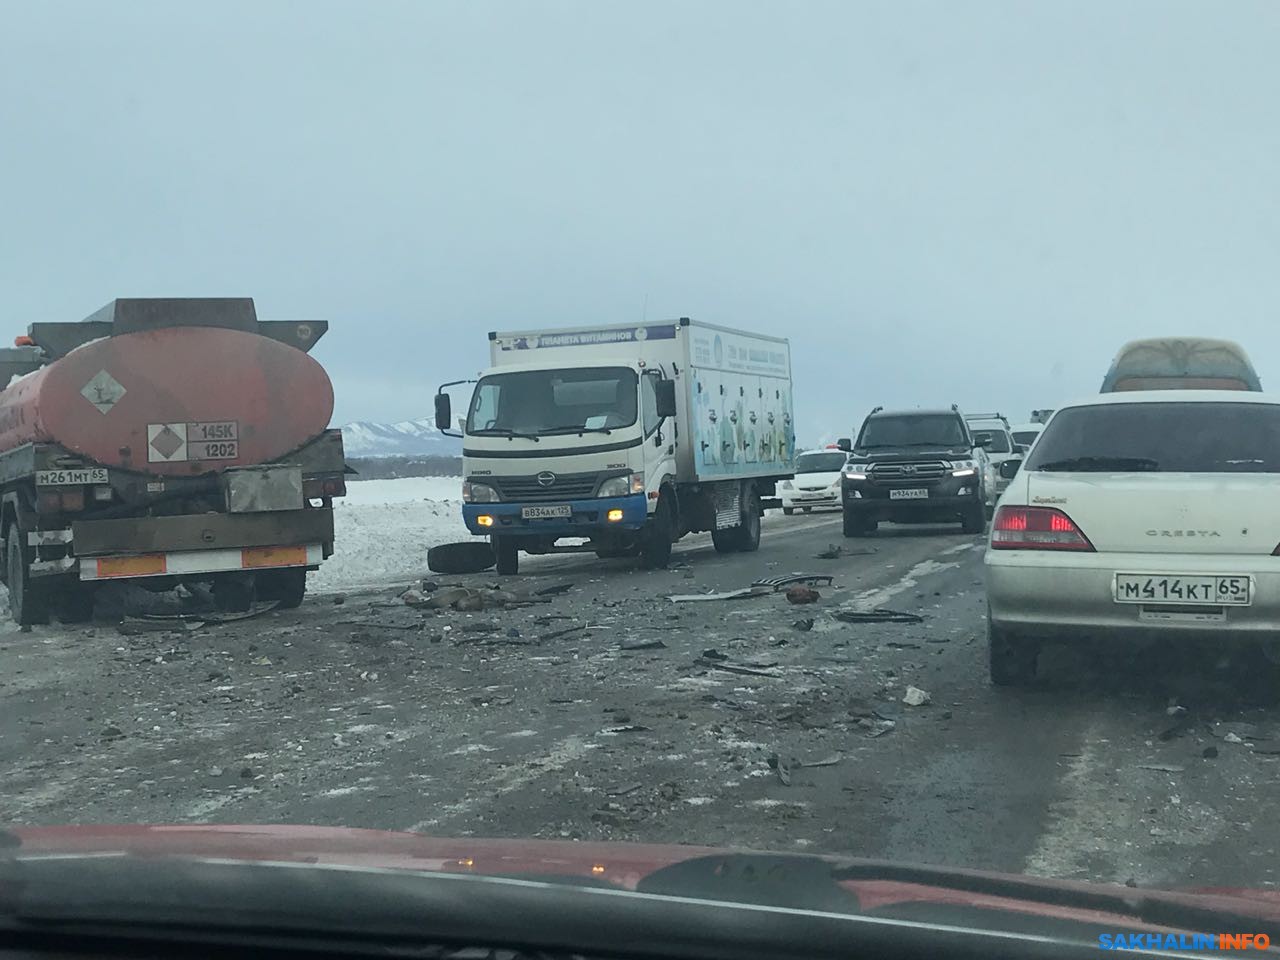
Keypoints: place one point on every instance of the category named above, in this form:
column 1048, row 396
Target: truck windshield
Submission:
column 537, row 402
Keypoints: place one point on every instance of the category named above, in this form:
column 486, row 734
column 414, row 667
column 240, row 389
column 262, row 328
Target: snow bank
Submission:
column 383, row 529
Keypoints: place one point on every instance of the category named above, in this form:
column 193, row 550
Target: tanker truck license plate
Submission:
column 546, row 513
column 58, row 478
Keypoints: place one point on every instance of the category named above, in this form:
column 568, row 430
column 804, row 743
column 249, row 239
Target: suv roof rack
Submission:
column 875, row 410
column 988, row 416
column 955, row 407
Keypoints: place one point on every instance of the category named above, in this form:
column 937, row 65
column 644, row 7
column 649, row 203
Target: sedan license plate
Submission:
column 1183, row 589
column 58, row 478
column 546, row 513
column 910, row 493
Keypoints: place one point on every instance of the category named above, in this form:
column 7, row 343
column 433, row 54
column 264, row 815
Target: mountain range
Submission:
column 410, row 438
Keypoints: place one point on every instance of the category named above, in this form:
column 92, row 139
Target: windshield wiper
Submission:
column 1087, row 464
column 503, row 432
column 555, row 431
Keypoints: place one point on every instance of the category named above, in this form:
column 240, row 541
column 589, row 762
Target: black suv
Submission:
column 914, row 466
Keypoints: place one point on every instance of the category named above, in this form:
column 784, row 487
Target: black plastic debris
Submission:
column 879, row 615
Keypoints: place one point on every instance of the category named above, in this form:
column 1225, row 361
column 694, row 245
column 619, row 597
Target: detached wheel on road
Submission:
column 808, row 509
column 507, row 553
column 469, row 556
column 790, row 510
column 655, row 543
column 1012, row 658
column 28, row 602
column 286, row 587
column 975, row 518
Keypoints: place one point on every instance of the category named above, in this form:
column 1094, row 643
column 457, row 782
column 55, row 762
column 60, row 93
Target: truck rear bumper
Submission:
column 187, row 563
column 586, row 517
column 202, row 532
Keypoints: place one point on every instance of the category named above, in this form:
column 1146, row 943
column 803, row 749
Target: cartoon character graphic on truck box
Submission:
column 769, row 439
column 728, row 438
column 750, row 441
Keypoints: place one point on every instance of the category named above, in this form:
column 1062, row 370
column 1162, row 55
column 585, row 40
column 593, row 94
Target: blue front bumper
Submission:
column 587, row 517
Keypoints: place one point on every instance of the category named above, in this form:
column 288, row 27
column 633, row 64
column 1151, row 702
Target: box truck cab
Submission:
column 624, row 437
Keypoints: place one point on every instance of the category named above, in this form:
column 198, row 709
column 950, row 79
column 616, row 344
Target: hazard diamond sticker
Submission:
column 166, row 442
column 103, row 391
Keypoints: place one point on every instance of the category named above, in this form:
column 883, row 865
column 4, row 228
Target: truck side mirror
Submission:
column 665, row 393
column 845, row 444
column 444, row 411
column 1009, row 468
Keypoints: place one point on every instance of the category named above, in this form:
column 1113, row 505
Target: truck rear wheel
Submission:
column 233, row 594
column 745, row 537
column 507, row 553
column 28, row 602
column 286, row 587
column 655, row 545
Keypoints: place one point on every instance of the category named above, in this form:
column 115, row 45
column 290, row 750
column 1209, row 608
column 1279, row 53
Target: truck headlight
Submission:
column 785, row 485
column 478, row 493
column 622, row 486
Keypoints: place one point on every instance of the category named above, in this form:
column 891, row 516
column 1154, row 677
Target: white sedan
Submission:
column 816, row 483
column 1146, row 515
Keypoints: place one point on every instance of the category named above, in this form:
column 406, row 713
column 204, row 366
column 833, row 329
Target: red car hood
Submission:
column 622, row 864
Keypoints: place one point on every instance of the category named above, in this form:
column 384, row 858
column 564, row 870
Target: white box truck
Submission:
column 627, row 437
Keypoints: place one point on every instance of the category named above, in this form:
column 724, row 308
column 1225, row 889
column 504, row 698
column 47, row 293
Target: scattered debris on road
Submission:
column 744, row 593
column 804, row 579
column 878, row 615
column 800, row 595
column 915, row 697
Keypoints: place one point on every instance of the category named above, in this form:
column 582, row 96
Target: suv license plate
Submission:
column 911, row 493
column 546, row 513
column 1183, row 589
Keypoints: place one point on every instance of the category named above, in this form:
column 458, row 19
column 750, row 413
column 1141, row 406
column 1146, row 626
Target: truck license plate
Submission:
column 58, row 478
column 546, row 513
column 1182, row 589
column 911, row 493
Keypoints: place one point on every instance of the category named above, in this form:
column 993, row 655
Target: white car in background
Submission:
column 816, row 483
column 1025, row 434
column 1148, row 516
column 1000, row 446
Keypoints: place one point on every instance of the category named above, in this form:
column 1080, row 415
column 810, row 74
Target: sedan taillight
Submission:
column 1036, row 528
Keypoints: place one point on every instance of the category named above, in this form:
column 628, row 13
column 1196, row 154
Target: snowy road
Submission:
column 597, row 715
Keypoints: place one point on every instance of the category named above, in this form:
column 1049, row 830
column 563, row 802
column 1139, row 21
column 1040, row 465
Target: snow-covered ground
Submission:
column 383, row 529
column 363, row 493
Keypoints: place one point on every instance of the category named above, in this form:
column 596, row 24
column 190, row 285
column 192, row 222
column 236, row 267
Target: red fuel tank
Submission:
column 173, row 401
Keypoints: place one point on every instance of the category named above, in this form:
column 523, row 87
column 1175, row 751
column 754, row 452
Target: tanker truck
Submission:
column 165, row 441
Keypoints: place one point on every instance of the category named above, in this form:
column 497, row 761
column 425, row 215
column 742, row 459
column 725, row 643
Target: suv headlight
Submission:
column 622, row 486
column 478, row 493
column 856, row 471
column 964, row 468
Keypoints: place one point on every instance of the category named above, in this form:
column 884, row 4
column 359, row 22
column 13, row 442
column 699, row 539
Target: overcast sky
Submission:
column 936, row 201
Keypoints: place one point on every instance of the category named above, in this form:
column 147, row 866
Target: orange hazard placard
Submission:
column 144, row 566
column 273, row 557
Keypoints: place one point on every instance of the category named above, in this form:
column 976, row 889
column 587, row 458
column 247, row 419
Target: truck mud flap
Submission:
column 465, row 557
